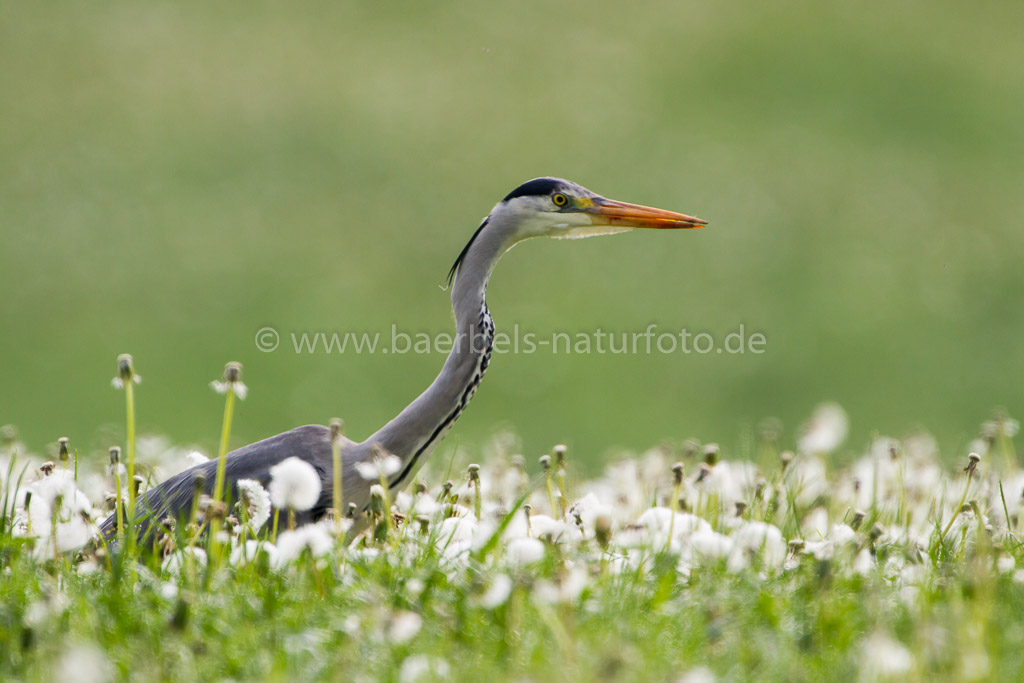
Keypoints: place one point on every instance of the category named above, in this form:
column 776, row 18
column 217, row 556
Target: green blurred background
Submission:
column 174, row 176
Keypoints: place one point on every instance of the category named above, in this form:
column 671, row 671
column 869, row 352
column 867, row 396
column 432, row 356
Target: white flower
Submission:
column 755, row 538
column 256, row 501
column 251, row 550
column 807, row 479
column 404, row 626
column 842, row 534
column 826, row 431
column 590, row 508
column 699, row 674
column 60, row 514
column 87, row 567
column 457, row 530
column 1001, row 426
column 455, row 537
column 815, row 524
column 884, row 658
column 294, row 485
column 379, row 468
column 523, row 551
column 710, row 545
column 237, row 387
column 542, row 525
column 497, row 594
column 660, row 521
column 194, row 458
column 84, row 664
column 311, row 537
column 183, row 558
column 567, row 591
column 40, row 611
column 864, row 563
column 340, row 527
column 414, row 588
column 419, row 504
column 417, row 668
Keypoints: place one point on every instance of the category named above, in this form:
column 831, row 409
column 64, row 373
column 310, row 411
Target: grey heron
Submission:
column 542, row 207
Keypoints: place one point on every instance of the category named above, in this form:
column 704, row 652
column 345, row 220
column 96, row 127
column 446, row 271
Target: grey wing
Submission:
column 173, row 498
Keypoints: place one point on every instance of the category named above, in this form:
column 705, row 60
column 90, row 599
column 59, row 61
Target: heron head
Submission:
column 552, row 207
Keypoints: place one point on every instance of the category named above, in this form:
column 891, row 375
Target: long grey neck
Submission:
column 414, row 432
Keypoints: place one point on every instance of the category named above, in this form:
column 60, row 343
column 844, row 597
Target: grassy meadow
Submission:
column 177, row 177
column 174, row 177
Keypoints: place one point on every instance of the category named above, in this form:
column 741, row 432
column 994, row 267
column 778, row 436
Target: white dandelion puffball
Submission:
column 404, row 626
column 497, row 594
column 379, row 468
column 826, row 431
column 422, row 668
column 294, row 485
column 256, row 501
column 311, row 537
column 523, row 551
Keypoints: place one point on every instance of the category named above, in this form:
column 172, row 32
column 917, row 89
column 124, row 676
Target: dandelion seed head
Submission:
column 313, row 538
column 256, row 501
column 524, row 551
column 542, row 526
column 419, row 668
column 498, row 592
column 709, row 546
column 125, row 372
column 195, row 458
column 239, row 389
column 294, row 485
column 180, row 559
column 568, row 590
column 403, row 627
column 826, row 431
column 698, row 674
column 380, row 467
column 885, row 658
column 755, row 539
column 84, row 664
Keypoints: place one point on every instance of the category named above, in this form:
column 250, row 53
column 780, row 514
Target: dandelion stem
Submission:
column 545, row 462
column 563, row 489
column 388, row 521
column 225, row 435
column 1002, row 498
column 474, row 480
column 963, row 499
column 118, row 503
column 129, row 400
column 339, row 493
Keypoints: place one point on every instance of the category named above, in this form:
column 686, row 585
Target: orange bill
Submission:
column 620, row 214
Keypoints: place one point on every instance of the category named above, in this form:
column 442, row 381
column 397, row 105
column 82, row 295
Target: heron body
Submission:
column 543, row 207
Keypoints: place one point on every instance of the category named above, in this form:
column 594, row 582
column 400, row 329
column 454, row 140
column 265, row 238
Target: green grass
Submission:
column 896, row 567
column 261, row 625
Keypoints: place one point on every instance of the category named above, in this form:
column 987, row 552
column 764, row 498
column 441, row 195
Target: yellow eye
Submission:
column 559, row 199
